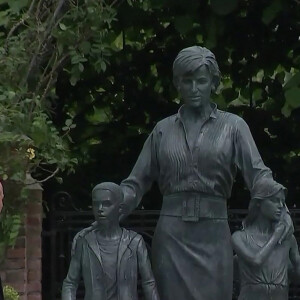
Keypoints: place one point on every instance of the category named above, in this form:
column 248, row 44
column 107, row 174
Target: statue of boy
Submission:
column 107, row 256
column 263, row 258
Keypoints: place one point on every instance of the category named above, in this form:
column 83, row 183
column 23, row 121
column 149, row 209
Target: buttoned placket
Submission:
column 188, row 147
column 197, row 146
column 192, row 157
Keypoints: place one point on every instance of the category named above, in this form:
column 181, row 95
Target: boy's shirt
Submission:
column 109, row 254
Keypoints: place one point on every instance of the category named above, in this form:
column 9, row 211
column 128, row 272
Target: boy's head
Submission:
column 269, row 201
column 107, row 198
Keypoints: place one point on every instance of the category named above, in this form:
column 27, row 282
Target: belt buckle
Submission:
column 190, row 209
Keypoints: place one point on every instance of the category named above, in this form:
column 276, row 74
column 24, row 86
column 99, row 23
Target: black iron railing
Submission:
column 65, row 221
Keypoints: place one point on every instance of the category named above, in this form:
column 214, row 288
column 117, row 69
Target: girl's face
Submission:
column 271, row 208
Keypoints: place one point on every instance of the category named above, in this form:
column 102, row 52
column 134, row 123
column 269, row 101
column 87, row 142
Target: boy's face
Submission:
column 272, row 207
column 105, row 206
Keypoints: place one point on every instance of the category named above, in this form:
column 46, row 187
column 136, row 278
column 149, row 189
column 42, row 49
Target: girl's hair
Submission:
column 254, row 208
column 253, row 211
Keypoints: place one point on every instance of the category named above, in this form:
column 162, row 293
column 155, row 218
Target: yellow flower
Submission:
column 30, row 153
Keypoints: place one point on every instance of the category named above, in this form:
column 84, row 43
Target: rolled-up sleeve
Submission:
column 248, row 159
column 144, row 172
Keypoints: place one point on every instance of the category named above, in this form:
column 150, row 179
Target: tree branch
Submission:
column 48, row 31
column 45, row 179
column 21, row 22
column 50, row 75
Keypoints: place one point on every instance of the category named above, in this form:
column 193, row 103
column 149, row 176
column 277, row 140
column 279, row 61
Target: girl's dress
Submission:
column 270, row 280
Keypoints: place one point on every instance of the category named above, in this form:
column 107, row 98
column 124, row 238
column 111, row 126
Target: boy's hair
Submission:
column 112, row 187
column 264, row 189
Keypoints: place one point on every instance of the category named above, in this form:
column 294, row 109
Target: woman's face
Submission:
column 272, row 207
column 195, row 87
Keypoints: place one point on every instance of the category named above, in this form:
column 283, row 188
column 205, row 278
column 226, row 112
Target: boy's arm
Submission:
column 148, row 281
column 70, row 283
column 257, row 258
column 295, row 258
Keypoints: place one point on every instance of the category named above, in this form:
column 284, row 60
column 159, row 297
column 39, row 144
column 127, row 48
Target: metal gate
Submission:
column 64, row 220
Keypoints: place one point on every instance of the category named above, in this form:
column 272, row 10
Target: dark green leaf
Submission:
column 293, row 81
column 292, row 97
column 62, row 26
column 183, row 24
column 223, row 7
column 85, row 47
column 270, row 13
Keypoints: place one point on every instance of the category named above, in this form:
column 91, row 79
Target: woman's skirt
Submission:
column 193, row 260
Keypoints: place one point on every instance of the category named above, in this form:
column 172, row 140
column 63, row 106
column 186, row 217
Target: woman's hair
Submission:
column 190, row 59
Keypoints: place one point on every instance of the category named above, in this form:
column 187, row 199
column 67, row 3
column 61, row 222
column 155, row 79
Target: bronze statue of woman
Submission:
column 194, row 156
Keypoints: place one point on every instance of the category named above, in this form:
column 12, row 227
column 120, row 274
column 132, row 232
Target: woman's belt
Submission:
column 192, row 206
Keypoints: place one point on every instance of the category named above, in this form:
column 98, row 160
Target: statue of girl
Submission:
column 262, row 259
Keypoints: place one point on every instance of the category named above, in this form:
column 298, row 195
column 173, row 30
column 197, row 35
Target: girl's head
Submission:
column 269, row 206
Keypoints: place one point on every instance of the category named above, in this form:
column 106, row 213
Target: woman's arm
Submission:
column 247, row 157
column 143, row 174
column 253, row 169
column 256, row 258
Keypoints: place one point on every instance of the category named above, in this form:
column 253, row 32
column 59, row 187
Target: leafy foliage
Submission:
column 258, row 51
column 86, row 76
column 38, row 39
column 10, row 293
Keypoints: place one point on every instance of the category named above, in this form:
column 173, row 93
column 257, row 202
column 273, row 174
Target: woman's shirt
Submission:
column 224, row 143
